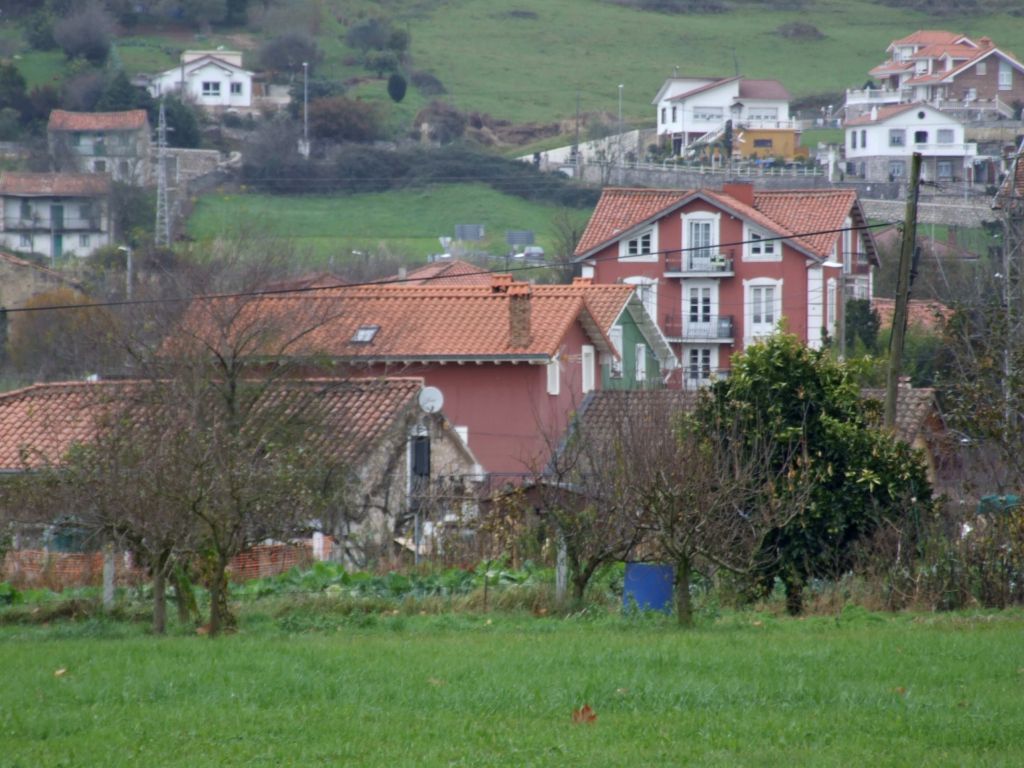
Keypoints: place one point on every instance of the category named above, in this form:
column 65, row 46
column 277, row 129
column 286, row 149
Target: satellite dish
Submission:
column 431, row 399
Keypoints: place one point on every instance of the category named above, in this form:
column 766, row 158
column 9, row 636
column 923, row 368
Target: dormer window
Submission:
column 761, row 247
column 364, row 334
column 642, row 246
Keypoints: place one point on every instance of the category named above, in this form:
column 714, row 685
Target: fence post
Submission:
column 108, row 576
column 561, row 572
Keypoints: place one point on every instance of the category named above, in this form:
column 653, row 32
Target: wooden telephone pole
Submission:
column 899, row 315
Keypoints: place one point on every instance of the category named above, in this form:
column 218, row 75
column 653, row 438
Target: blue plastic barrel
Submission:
column 648, row 587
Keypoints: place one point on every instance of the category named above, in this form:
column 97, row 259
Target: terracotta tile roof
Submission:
column 130, row 120
column 890, row 67
column 449, row 272
column 39, row 424
column 54, row 184
column 620, row 209
column 431, row 322
column 809, row 211
column 914, row 407
column 929, row 37
column 787, row 213
column 926, row 314
column 763, row 89
column 19, row 263
column 705, row 87
column 956, row 51
column 882, row 114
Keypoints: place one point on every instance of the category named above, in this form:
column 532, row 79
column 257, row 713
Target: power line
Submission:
column 402, row 280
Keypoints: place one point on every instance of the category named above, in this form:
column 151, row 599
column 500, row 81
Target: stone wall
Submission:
column 970, row 214
column 672, row 178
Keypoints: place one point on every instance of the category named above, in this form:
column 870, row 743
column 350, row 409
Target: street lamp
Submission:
column 305, row 101
column 621, row 153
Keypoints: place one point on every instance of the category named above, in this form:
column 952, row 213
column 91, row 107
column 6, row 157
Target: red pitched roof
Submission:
column 883, row 113
column 929, row 37
column 927, row 314
column 620, row 209
column 448, row 272
column 431, row 322
column 54, row 184
column 39, row 424
column 705, row 87
column 763, row 89
column 787, row 213
column 130, row 120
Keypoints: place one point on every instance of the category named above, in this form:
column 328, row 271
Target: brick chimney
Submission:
column 519, row 334
column 986, row 42
column 742, row 192
column 500, row 282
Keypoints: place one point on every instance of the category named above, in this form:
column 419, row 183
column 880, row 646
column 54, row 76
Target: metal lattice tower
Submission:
column 162, row 230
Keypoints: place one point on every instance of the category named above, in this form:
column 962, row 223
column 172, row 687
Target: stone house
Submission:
column 113, row 143
column 55, row 214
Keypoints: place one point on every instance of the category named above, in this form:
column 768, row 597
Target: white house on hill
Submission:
column 879, row 144
column 214, row 80
column 694, row 110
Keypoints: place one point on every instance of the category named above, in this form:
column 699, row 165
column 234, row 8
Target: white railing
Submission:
column 946, row 149
column 875, row 96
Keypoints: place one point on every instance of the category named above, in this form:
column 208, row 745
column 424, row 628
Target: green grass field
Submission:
column 499, row 690
column 526, row 60
column 403, row 222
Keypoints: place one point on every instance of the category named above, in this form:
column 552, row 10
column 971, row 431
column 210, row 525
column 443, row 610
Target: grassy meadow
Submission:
column 406, row 223
column 304, row 686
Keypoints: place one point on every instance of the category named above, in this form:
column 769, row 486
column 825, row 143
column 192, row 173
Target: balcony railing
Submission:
column 955, row 150
column 18, row 224
column 697, row 376
column 689, row 262
column 876, row 96
column 715, row 328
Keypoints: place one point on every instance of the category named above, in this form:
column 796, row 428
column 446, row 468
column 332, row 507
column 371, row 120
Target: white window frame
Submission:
column 25, row 241
column 640, row 352
column 709, row 114
column 833, row 305
column 615, row 363
column 554, row 376
column 940, row 166
column 853, row 139
column 945, row 136
column 982, row 68
column 587, row 361
column 760, row 245
column 699, row 364
column 236, row 88
column 847, row 246
column 753, row 331
column 83, row 241
column 898, row 169
column 633, row 247
column 712, row 248
column 897, row 137
column 1005, row 76
column 210, row 88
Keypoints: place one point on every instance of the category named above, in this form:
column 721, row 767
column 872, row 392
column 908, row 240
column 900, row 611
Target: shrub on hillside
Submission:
column 426, row 83
column 444, row 123
column 286, row 52
column 799, row 30
column 341, row 119
column 86, row 33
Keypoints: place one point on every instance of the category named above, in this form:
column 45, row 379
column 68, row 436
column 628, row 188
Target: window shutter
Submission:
column 641, row 362
column 587, row 358
column 554, row 376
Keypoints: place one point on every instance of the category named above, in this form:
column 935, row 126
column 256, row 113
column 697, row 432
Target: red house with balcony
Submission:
column 721, row 269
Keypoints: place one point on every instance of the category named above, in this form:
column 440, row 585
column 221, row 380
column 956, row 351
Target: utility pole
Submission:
column 162, row 230
column 899, row 315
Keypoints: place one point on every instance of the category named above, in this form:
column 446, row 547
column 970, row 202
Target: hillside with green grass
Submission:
column 526, row 60
column 405, row 223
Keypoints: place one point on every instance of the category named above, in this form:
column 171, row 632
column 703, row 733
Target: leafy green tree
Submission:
column 859, row 475
column 182, row 122
column 119, row 95
column 862, row 324
column 13, row 93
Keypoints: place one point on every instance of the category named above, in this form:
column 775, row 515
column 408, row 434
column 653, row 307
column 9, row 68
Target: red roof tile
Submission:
column 39, row 424
column 763, row 89
column 449, row 272
column 929, row 37
column 61, row 120
column 786, row 213
column 620, row 209
column 927, row 314
column 431, row 322
column 54, row 184
column 882, row 114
